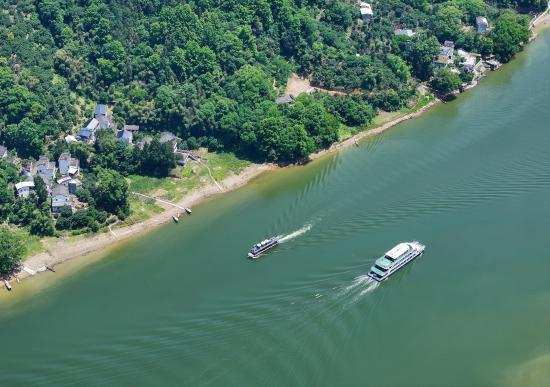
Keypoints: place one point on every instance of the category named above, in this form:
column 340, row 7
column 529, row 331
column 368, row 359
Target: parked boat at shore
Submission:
column 188, row 210
column 260, row 248
column 176, row 218
column 395, row 259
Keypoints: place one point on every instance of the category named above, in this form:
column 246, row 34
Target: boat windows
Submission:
column 380, row 268
column 389, row 258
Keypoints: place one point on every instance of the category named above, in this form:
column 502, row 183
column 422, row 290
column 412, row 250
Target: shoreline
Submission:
column 63, row 250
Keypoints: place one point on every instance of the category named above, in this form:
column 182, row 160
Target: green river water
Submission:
column 183, row 306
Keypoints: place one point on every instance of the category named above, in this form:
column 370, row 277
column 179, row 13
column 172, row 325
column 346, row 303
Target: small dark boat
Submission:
column 188, row 210
column 7, row 285
column 176, row 218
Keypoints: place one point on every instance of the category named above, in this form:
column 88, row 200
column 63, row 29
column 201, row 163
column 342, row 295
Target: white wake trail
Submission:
column 296, row 233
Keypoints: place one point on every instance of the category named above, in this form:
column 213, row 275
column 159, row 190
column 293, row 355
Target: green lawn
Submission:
column 223, row 164
column 181, row 181
column 140, row 210
column 32, row 243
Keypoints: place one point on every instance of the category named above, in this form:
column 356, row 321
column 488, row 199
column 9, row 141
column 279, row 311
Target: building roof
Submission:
column 481, row 20
column 125, row 135
column 406, row 32
column 70, row 138
column 84, row 133
column 75, row 181
column 131, row 127
column 100, row 109
column 449, row 43
column 104, row 122
column 284, row 99
column 65, row 156
column 60, row 189
column 92, row 124
column 24, row 184
column 469, row 59
column 167, row 136
column 44, row 161
column 446, row 51
column 63, row 180
column 366, row 9
column 3, row 150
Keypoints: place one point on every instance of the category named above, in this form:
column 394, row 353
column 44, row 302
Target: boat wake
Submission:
column 295, row 234
column 359, row 287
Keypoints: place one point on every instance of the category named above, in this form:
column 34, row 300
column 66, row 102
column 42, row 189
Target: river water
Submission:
column 183, row 305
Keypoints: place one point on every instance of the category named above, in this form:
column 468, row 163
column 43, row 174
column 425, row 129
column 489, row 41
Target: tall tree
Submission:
column 11, row 249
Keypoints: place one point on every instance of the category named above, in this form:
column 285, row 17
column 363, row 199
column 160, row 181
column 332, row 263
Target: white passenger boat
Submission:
column 395, row 259
column 260, row 248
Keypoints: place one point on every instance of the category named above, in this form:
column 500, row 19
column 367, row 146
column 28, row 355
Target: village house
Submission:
column 73, row 185
column 125, row 136
column 68, row 165
column 482, row 24
column 285, row 99
column 61, row 198
column 366, row 11
column 45, row 169
column 24, row 189
column 446, row 55
column 100, row 110
column 3, row 152
column 87, row 133
column 169, row 137
column 468, row 62
column 131, row 128
column 101, row 115
column 26, row 168
column 399, row 31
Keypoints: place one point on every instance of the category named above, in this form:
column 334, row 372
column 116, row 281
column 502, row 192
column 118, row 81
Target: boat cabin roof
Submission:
column 398, row 250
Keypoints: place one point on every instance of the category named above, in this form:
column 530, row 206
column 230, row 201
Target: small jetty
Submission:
column 188, row 210
column 7, row 285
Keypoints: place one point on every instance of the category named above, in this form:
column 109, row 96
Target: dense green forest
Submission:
column 207, row 69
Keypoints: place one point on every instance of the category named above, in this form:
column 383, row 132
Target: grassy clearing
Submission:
column 32, row 243
column 193, row 175
column 140, row 210
column 223, row 164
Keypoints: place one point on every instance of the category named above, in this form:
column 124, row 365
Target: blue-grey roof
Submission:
column 100, row 109
column 124, row 135
column 167, row 136
column 84, row 133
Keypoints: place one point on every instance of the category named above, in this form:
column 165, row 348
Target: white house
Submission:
column 68, row 165
column 482, row 24
column 3, row 152
column 409, row 33
column 366, row 11
column 24, row 188
column 126, row 136
column 468, row 60
column 61, row 198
